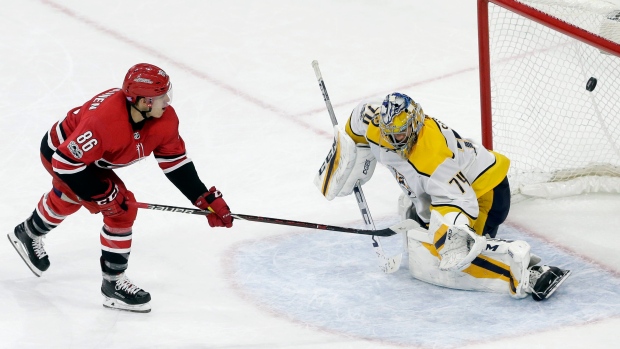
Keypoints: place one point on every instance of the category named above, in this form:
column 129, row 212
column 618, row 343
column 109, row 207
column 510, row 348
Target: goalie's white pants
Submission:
column 502, row 267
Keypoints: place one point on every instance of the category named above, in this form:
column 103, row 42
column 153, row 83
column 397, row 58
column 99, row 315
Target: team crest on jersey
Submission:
column 402, row 182
column 136, row 135
column 75, row 150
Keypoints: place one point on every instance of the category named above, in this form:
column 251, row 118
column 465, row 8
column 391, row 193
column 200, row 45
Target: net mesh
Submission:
column 544, row 119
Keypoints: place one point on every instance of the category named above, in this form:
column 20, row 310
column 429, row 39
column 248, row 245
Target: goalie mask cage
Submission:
column 539, row 60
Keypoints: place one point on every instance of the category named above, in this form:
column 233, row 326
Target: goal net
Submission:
column 550, row 93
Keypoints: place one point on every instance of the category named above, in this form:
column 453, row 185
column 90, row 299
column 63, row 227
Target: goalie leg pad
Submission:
column 519, row 251
column 502, row 267
column 405, row 206
column 407, row 210
column 517, row 256
column 424, row 266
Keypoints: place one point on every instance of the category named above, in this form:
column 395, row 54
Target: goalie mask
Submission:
column 400, row 122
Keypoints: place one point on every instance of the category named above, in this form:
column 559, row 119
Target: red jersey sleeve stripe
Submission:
column 56, row 134
column 50, row 143
column 168, row 167
column 59, row 132
column 161, row 159
column 52, row 139
column 171, row 163
column 64, row 166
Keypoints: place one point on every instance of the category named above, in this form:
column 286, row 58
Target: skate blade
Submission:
column 20, row 250
column 113, row 303
column 559, row 282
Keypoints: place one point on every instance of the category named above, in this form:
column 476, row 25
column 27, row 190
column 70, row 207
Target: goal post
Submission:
column 550, row 93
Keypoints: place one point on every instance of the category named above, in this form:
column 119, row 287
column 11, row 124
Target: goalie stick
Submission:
column 244, row 217
column 387, row 265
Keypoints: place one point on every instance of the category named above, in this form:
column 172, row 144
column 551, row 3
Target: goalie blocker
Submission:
column 345, row 164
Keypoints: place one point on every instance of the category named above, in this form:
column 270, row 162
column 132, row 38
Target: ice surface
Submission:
column 255, row 125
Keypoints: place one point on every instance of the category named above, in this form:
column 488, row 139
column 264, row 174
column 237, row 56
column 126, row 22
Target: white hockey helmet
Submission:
column 400, row 122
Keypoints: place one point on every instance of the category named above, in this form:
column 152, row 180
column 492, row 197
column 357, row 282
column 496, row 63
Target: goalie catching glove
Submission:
column 213, row 201
column 455, row 241
column 345, row 164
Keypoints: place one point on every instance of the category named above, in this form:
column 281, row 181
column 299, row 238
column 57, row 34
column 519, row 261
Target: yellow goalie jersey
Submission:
column 442, row 172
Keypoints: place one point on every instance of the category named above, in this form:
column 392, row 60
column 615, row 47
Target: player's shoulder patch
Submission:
column 75, row 150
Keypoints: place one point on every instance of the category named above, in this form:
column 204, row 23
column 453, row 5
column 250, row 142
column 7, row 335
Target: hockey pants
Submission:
column 116, row 233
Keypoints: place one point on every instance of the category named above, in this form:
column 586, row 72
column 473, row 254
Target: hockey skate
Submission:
column 30, row 248
column 123, row 294
column 545, row 280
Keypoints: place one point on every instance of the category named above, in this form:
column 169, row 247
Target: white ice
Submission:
column 255, row 125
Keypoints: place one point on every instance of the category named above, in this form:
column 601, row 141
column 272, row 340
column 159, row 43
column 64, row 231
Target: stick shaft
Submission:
column 245, row 217
column 388, row 265
column 359, row 194
column 328, row 103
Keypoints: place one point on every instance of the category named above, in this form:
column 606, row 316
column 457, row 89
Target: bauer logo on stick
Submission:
column 591, row 84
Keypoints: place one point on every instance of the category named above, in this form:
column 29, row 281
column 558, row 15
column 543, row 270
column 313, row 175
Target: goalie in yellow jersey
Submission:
column 455, row 196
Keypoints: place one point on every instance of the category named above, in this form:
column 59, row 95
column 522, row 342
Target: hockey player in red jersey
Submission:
column 115, row 128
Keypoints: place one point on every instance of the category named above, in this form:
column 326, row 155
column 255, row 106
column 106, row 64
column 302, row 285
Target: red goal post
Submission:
column 536, row 58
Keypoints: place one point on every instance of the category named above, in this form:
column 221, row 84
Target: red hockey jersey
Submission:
column 100, row 133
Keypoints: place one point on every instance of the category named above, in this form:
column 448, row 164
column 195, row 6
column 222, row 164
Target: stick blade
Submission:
column 404, row 226
column 390, row 265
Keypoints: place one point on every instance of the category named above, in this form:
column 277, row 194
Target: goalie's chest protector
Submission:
column 412, row 174
column 441, row 168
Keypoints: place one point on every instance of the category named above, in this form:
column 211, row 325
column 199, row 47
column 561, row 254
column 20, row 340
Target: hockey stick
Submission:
column 382, row 232
column 387, row 265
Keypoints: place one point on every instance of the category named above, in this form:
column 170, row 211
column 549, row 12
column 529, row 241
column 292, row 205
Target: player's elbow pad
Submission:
column 345, row 164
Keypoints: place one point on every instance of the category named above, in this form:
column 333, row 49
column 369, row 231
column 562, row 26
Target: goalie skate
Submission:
column 545, row 280
column 122, row 294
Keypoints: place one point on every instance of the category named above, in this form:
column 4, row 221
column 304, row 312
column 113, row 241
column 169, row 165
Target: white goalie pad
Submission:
column 345, row 164
column 516, row 254
column 457, row 245
column 502, row 267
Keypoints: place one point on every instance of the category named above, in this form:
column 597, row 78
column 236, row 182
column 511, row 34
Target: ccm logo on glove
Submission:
column 112, row 202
